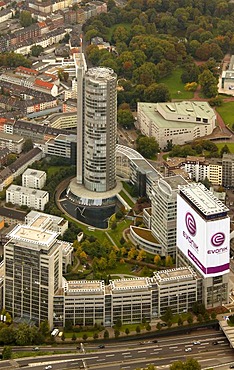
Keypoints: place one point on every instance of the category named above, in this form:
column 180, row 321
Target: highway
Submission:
column 130, row 355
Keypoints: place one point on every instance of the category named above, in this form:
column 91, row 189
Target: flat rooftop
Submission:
column 34, row 173
column 39, row 221
column 84, row 286
column 190, row 108
column 175, row 274
column 173, row 181
column 27, row 191
column 135, row 283
column 203, row 199
column 28, row 234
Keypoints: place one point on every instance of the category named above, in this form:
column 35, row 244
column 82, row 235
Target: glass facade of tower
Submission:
column 100, row 126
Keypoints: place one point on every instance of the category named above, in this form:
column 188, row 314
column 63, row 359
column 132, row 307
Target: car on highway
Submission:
column 189, row 349
column 196, row 342
column 231, row 366
column 215, row 343
column 48, row 367
column 101, row 346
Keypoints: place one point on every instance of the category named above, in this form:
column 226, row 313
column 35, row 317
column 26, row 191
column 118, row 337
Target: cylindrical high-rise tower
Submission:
column 100, row 126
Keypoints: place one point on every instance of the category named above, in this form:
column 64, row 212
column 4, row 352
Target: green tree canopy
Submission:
column 147, row 146
column 125, row 118
column 25, row 18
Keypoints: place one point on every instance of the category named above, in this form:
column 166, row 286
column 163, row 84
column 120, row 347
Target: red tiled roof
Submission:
column 53, row 77
column 46, row 85
column 2, row 3
column 26, row 70
column 42, row 24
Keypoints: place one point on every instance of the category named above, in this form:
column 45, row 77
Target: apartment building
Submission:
column 13, row 142
column 34, row 179
column 23, row 196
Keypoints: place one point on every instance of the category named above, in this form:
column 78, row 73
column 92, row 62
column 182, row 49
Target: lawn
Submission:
column 126, row 198
column 121, row 268
column 229, row 145
column 174, row 83
column 54, row 169
column 226, row 112
column 118, row 232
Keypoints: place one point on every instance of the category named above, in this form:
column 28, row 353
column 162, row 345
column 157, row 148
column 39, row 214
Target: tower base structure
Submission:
column 91, row 208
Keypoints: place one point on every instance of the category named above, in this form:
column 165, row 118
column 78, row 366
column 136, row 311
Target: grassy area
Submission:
column 126, row 198
column 121, row 268
column 226, row 112
column 21, row 354
column 51, row 171
column 229, row 145
column 175, row 84
column 118, row 232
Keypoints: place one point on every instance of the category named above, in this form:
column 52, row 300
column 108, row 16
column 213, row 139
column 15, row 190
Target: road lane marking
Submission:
column 143, row 350
column 110, row 355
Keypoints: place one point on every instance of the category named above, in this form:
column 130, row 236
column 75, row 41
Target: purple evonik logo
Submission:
column 191, row 224
column 217, row 239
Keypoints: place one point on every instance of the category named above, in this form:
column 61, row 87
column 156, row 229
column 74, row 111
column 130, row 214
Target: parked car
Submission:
column 197, row 342
column 188, row 349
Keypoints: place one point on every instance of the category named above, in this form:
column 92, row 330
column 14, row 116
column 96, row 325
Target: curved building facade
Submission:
column 100, row 127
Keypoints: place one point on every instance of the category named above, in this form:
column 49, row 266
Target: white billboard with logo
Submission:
column 205, row 243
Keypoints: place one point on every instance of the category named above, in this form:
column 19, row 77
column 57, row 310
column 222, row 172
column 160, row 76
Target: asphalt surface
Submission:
column 130, row 355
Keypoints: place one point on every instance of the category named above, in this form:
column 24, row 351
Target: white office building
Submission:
column 163, row 218
column 203, row 240
column 34, row 178
column 179, row 122
column 46, row 222
column 33, row 273
column 23, row 196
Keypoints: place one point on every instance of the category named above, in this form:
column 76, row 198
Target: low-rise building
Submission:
column 46, row 222
column 31, row 198
column 177, row 122
column 12, row 216
column 34, row 178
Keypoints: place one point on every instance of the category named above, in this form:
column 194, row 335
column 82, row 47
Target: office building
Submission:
column 33, row 273
column 203, row 240
column 164, row 206
column 228, row 170
column 178, row 122
column 96, row 129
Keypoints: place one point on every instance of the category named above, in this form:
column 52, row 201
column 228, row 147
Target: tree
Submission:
column 138, row 329
column 147, row 146
column 118, row 323
column 168, row 315
column 36, row 50
column 7, row 335
column 213, row 315
column 27, row 145
column 125, row 118
column 191, row 86
column 180, row 321
column 141, row 255
column 6, row 353
column 225, row 150
column 199, row 318
column 148, row 327
column 117, row 333
column 85, row 336
column 44, row 327
column 159, row 326
column 106, row 334
column 25, row 18
column 127, row 331
column 157, row 260
column 11, row 158
column 157, row 93
column 168, row 261
column 73, row 337
column 190, row 319
column 208, row 84
column 95, row 335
